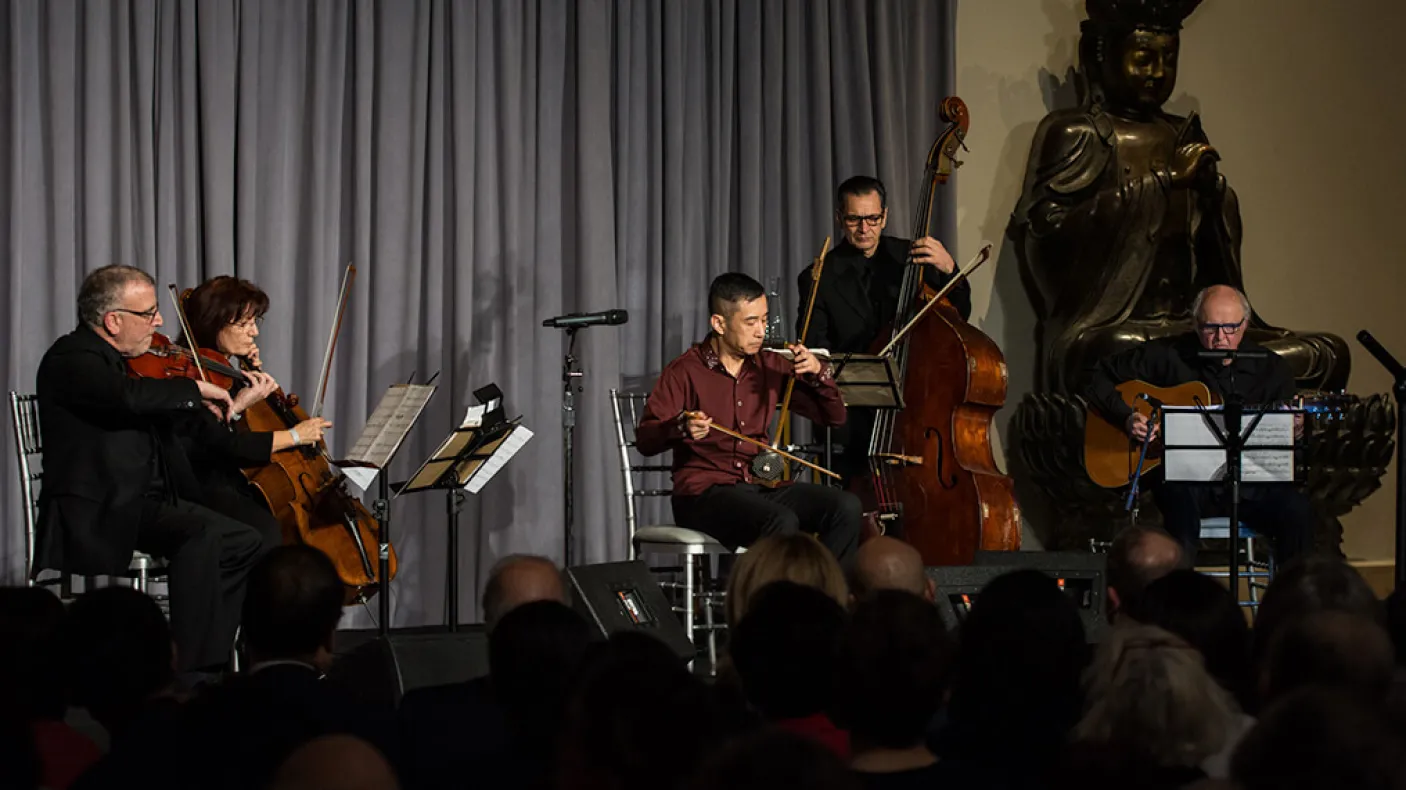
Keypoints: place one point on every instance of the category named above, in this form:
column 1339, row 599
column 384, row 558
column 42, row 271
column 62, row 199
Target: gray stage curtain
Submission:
column 485, row 165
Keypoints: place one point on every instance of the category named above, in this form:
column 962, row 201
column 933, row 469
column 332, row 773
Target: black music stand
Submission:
column 380, row 440
column 462, row 459
column 868, row 381
column 1230, row 442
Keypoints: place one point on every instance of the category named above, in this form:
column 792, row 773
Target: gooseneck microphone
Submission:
column 579, row 320
column 1144, row 396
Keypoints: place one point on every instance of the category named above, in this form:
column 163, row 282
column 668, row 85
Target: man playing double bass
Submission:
column 116, row 479
column 1222, row 314
column 728, row 380
column 859, row 289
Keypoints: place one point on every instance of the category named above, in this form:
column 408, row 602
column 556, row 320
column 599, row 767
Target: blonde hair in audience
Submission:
column 1148, row 691
column 799, row 558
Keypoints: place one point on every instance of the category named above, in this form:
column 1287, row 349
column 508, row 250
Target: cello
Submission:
column 309, row 500
column 931, row 464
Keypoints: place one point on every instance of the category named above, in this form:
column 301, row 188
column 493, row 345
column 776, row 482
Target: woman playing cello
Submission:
column 223, row 315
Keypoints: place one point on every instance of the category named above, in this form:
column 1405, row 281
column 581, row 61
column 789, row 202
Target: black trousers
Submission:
column 209, row 555
column 741, row 513
column 1280, row 512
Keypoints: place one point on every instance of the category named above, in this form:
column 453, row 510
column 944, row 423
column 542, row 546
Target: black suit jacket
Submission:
column 449, row 732
column 844, row 319
column 240, row 732
column 104, row 435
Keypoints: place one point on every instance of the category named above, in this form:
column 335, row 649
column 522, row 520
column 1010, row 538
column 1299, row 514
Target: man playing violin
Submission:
column 224, row 314
column 727, row 380
column 858, row 292
column 116, row 479
column 1222, row 313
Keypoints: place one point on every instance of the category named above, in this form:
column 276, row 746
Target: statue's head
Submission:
column 1129, row 50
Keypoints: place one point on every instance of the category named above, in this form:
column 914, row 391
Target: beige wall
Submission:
column 1300, row 99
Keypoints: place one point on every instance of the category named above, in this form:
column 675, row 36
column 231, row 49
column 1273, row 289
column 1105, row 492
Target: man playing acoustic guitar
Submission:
column 1279, row 511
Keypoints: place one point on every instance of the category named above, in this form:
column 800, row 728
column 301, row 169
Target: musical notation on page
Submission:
column 389, row 424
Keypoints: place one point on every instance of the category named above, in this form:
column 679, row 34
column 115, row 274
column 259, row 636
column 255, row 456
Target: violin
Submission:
column 169, row 360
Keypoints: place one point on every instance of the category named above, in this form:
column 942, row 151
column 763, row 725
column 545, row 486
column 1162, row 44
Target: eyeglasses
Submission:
column 868, row 219
column 1228, row 329
column 149, row 315
column 249, row 323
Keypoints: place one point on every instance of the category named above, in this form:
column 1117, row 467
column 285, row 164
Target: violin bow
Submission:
column 763, row 445
column 819, row 265
column 981, row 257
column 185, row 329
column 325, row 374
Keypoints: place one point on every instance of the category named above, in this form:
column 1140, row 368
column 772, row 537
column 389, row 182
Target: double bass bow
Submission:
column 932, row 468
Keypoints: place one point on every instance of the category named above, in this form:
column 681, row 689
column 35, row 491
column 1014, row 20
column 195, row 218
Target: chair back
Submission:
column 24, row 417
column 642, row 477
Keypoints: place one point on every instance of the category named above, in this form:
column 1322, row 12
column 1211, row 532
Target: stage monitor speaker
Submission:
column 379, row 670
column 1081, row 575
column 624, row 596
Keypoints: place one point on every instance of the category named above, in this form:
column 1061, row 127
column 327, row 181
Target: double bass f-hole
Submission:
column 934, row 433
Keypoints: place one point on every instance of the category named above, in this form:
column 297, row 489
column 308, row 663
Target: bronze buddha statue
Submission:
column 1124, row 216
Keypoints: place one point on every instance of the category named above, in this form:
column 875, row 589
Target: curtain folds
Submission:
column 484, row 165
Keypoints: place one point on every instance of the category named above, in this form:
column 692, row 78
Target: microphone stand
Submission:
column 1131, row 506
column 571, row 377
column 1398, row 389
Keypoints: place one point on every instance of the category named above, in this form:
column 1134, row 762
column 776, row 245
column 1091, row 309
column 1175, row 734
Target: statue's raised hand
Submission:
column 1192, row 162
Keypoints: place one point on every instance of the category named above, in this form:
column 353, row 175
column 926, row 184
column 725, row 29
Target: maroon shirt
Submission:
column 697, row 381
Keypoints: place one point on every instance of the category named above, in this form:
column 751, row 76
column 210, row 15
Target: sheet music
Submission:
column 1208, row 466
column 472, row 474
column 507, row 448
column 1194, row 454
column 1187, row 426
column 359, row 478
column 389, row 424
column 1268, row 466
column 1276, row 429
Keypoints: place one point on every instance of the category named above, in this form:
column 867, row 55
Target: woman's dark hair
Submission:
column 1202, row 611
column 892, row 669
column 1307, row 585
column 784, row 649
column 1018, row 671
column 218, row 303
column 637, row 718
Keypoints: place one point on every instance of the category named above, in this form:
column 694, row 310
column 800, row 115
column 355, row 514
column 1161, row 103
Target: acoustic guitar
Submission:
column 1110, row 455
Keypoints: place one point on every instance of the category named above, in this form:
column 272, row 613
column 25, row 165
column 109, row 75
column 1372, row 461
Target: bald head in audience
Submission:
column 885, row 563
column 518, row 579
column 335, row 762
column 1138, row 557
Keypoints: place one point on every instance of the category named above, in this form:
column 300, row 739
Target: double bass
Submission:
column 931, row 464
column 309, row 500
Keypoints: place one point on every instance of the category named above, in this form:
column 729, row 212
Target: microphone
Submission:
column 1383, row 356
column 1155, row 403
column 580, row 320
column 1225, row 353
